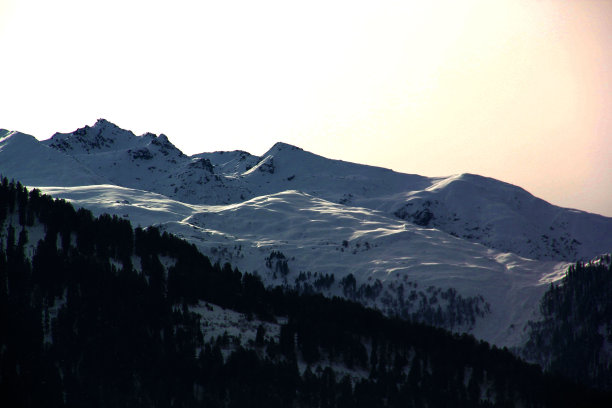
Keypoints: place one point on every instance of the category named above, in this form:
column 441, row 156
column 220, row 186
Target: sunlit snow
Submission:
column 296, row 218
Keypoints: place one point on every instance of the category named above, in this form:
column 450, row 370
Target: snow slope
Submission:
column 24, row 158
column 464, row 252
column 496, row 214
column 503, row 216
column 396, row 259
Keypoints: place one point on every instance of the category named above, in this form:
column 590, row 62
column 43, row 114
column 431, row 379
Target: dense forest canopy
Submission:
column 97, row 313
column 574, row 336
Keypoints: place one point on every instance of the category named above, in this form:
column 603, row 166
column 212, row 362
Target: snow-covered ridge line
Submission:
column 479, row 209
column 465, row 252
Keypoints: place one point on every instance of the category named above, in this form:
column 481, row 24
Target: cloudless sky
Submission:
column 516, row 90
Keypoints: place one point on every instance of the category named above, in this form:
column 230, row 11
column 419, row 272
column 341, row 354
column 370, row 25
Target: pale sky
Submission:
column 516, row 90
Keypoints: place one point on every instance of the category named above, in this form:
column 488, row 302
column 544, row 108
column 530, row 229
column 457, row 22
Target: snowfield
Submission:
column 464, row 252
column 317, row 237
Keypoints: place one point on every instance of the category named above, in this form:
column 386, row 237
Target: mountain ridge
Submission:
column 43, row 165
column 477, row 208
column 410, row 245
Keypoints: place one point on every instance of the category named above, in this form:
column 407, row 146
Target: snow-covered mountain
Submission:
column 26, row 159
column 147, row 162
column 479, row 209
column 464, row 252
column 292, row 238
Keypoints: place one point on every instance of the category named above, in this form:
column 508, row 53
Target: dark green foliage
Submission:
column 323, row 281
column 278, row 263
column 349, row 286
column 576, row 325
column 96, row 319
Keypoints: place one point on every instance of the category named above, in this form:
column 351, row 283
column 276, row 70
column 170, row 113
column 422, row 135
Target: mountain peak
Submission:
column 106, row 136
column 284, row 146
column 12, row 137
column 280, row 147
column 103, row 135
column 103, row 123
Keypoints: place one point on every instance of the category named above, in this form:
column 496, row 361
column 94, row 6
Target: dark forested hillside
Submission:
column 93, row 314
column 574, row 338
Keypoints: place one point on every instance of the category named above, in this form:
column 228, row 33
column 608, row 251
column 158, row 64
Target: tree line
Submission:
column 94, row 316
column 573, row 337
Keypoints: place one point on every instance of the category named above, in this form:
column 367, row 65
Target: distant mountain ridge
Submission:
column 465, row 252
column 147, row 162
column 479, row 209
